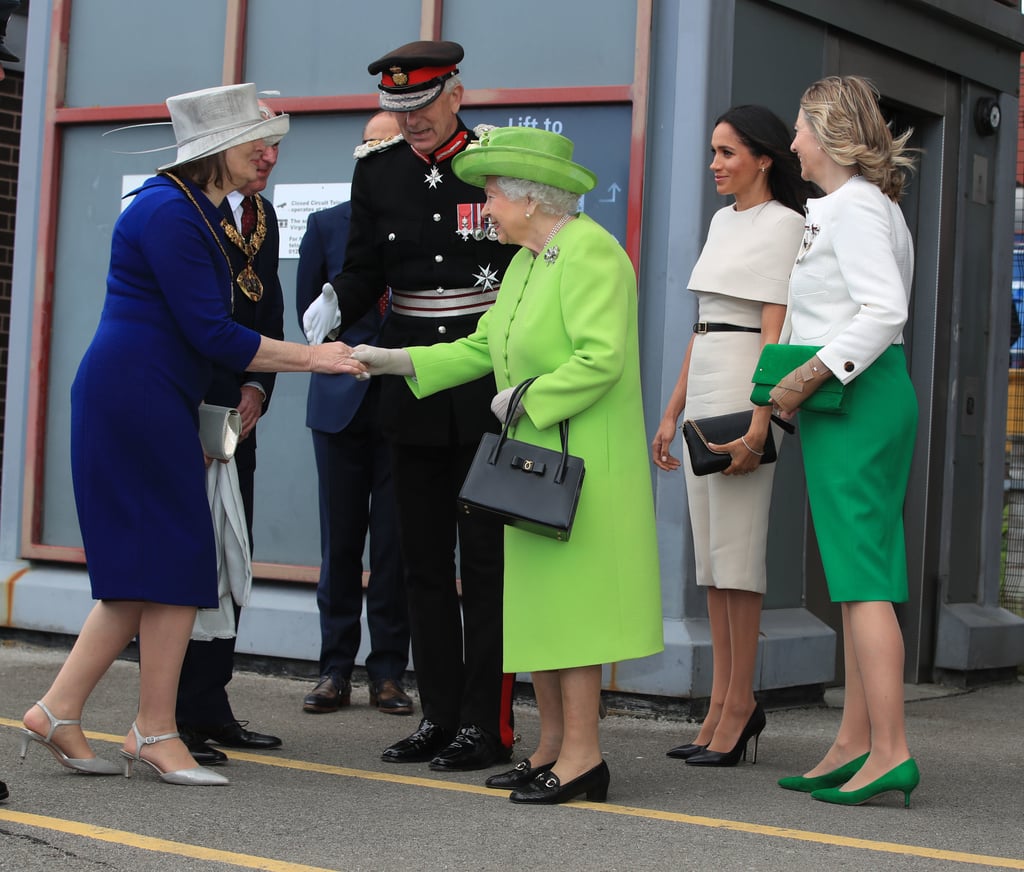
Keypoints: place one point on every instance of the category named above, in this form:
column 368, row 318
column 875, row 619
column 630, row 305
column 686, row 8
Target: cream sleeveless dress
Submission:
column 745, row 263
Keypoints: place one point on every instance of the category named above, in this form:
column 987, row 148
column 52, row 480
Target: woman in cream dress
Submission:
column 741, row 281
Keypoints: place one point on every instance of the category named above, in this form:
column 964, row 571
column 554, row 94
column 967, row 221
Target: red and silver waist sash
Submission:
column 443, row 302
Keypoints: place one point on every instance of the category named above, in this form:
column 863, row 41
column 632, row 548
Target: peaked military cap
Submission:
column 413, row 75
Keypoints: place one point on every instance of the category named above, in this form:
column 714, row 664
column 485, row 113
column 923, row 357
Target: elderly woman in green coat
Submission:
column 567, row 314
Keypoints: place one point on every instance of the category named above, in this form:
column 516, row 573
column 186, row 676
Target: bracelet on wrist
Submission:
column 743, row 439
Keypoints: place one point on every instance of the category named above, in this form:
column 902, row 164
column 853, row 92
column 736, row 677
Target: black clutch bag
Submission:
column 526, row 486
column 722, row 429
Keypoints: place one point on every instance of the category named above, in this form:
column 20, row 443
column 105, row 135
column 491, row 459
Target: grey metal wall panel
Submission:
column 322, row 47
column 123, row 52
column 540, row 44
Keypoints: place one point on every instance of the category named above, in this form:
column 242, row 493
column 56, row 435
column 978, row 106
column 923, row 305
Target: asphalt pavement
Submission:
column 326, row 801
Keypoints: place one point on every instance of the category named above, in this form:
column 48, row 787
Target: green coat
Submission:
column 573, row 322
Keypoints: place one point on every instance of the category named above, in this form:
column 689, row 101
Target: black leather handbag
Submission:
column 722, row 429
column 535, row 489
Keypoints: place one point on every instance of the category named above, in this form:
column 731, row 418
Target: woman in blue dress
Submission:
column 137, row 463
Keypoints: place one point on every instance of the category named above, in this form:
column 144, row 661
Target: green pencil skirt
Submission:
column 857, row 466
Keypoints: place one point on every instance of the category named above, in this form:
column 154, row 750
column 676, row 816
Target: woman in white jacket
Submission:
column 849, row 295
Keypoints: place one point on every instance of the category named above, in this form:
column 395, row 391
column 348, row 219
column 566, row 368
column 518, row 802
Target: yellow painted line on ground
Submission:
column 147, row 843
column 610, row 808
column 806, row 836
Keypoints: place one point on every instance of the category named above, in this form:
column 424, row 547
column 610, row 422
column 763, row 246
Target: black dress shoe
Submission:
column 387, row 695
column 422, row 745
column 684, row 752
column 471, row 749
column 517, row 776
column 327, row 696
column 234, row 735
column 548, row 790
column 202, row 753
column 4, row 792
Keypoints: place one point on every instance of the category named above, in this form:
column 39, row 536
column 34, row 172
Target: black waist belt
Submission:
column 711, row 327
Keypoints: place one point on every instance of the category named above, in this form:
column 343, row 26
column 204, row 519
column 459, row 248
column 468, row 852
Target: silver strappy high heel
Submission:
column 200, row 776
column 85, row 765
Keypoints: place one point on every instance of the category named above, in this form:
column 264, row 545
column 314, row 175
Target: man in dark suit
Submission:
column 353, row 461
column 417, row 229
column 250, row 222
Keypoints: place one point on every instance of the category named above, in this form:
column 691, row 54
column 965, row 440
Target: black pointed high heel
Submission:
column 684, row 752
column 754, row 727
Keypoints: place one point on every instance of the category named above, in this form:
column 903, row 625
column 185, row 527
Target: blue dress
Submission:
column 136, row 461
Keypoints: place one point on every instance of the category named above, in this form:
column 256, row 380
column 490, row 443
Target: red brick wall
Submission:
column 11, row 90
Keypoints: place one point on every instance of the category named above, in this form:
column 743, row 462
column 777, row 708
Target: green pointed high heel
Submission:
column 904, row 778
column 830, row 779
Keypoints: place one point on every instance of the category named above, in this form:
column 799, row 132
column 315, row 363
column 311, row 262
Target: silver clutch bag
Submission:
column 219, row 430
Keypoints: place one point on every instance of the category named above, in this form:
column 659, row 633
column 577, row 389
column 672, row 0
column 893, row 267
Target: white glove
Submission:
column 499, row 405
column 323, row 317
column 384, row 361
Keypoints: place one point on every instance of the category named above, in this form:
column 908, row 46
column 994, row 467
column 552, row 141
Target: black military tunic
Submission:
column 405, row 234
column 407, row 214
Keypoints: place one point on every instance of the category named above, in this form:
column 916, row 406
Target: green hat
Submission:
column 523, row 153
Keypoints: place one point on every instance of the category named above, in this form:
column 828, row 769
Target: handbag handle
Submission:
column 513, row 404
column 785, row 425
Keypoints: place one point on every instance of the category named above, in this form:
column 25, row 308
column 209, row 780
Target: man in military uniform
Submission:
column 417, row 229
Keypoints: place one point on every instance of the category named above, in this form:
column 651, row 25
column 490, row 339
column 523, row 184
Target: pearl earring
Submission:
column 764, row 169
column 528, row 215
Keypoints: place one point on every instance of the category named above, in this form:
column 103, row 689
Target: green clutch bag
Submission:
column 777, row 361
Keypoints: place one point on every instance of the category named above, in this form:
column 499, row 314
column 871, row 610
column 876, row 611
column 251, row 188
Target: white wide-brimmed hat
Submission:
column 215, row 119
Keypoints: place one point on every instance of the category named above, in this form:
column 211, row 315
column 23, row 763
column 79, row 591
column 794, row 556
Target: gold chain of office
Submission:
column 247, row 279
column 206, row 221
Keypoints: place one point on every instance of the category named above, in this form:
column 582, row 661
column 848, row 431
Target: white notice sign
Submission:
column 294, row 203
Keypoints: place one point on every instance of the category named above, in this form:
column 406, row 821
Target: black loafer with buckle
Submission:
column 518, row 776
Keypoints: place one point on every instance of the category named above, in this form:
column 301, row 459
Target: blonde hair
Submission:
column 844, row 115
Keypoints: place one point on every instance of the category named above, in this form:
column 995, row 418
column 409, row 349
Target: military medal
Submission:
column 487, row 278
column 247, row 279
column 469, row 221
column 433, row 178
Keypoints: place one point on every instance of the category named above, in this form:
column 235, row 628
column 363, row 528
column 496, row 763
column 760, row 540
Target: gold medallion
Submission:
column 247, row 279
column 250, row 283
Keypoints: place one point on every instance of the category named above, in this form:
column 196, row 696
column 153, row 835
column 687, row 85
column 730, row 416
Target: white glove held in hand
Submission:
column 323, row 317
column 384, row 361
column 499, row 405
